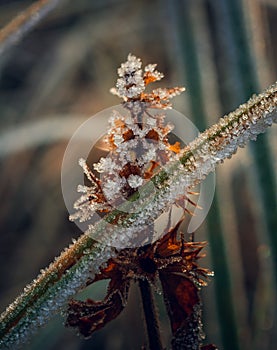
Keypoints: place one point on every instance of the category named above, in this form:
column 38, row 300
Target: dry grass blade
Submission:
column 22, row 23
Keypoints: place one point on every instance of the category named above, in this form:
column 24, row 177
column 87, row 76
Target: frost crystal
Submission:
column 118, row 139
column 112, row 187
column 132, row 82
column 135, row 181
column 152, row 74
column 104, row 164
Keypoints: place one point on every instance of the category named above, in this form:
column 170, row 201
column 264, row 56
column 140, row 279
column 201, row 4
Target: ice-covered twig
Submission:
column 46, row 295
column 234, row 130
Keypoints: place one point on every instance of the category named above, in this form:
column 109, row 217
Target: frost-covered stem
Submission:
column 68, row 273
column 49, row 292
column 22, row 23
column 150, row 315
column 232, row 131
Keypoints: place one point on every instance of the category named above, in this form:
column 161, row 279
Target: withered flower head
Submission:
column 138, row 142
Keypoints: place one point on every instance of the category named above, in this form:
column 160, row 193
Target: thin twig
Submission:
column 25, row 21
column 68, row 274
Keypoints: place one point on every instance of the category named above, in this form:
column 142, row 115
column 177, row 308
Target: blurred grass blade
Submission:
column 194, row 82
column 24, row 22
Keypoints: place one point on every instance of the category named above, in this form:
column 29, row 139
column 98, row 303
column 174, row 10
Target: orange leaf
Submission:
column 175, row 148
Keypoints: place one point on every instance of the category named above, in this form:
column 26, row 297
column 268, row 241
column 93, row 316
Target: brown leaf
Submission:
column 181, row 296
column 129, row 169
column 152, row 135
column 89, row 316
column 128, row 135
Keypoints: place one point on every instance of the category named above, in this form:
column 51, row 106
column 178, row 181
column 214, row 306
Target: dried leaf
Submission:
column 181, row 296
column 89, row 316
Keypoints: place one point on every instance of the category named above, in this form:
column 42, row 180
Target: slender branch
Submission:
column 25, row 21
column 46, row 295
column 150, row 315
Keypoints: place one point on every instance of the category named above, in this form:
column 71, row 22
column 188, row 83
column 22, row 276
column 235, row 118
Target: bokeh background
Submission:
column 59, row 74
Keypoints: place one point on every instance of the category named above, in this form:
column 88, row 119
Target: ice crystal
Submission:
column 130, row 83
column 88, row 172
column 151, row 74
column 135, row 181
column 133, row 80
column 104, row 164
column 112, row 187
column 118, row 139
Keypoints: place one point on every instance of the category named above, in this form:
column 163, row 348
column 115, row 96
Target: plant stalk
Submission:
column 150, row 315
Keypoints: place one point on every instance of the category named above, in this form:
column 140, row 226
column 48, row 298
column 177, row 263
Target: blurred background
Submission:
column 59, row 74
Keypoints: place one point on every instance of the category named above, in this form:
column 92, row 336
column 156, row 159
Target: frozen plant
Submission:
column 87, row 257
column 139, row 147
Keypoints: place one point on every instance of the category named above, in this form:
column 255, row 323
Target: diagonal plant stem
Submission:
column 25, row 21
column 47, row 294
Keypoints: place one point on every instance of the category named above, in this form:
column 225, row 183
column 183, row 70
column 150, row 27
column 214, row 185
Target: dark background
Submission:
column 60, row 73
